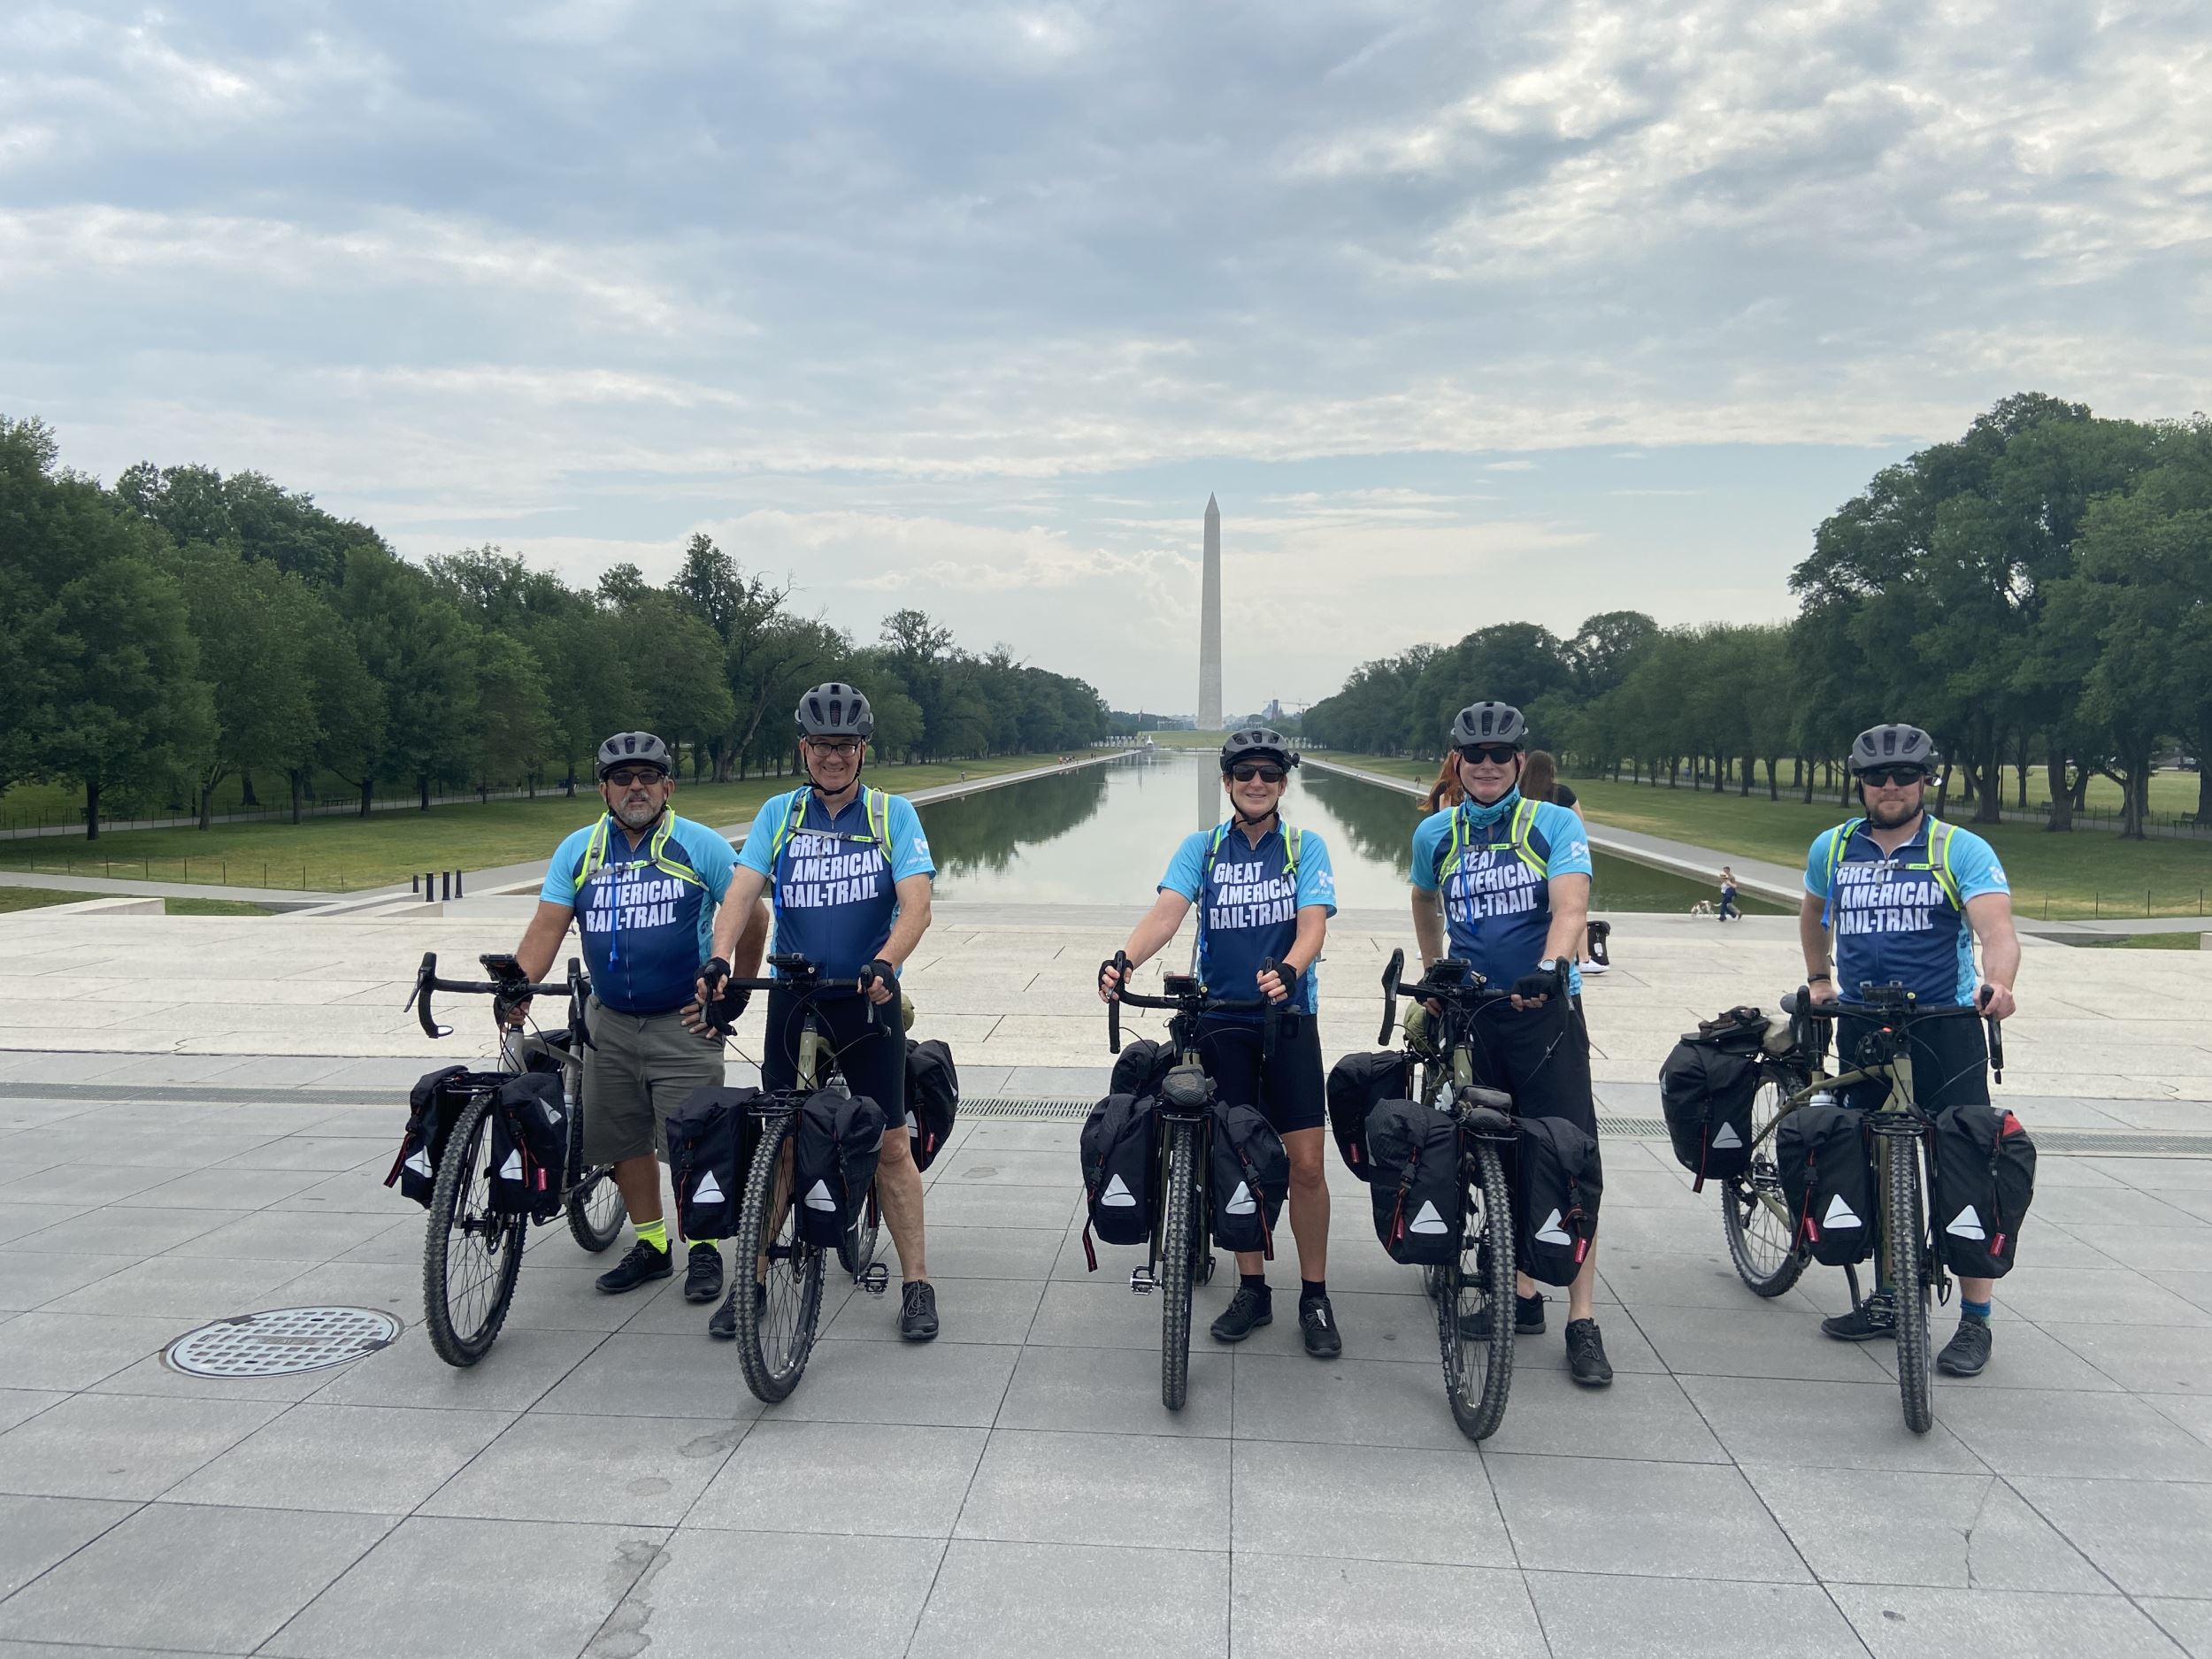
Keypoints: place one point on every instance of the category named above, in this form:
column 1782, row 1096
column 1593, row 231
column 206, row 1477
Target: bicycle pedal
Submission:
column 875, row 1278
column 1141, row 1280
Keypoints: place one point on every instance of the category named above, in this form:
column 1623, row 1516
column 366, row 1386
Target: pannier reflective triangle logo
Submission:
column 819, row 1197
column 1551, row 1231
column 710, row 1190
column 420, row 1162
column 1727, row 1137
column 1840, row 1215
column 1967, row 1224
column 1241, row 1201
column 1118, row 1195
column 1427, row 1221
column 511, row 1170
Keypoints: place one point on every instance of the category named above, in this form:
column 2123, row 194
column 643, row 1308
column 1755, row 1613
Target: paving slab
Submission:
column 1657, row 1520
column 1061, row 1487
column 1685, row 1618
column 899, row 1480
column 37, row 1533
column 116, row 1446
column 776, row 1593
column 1899, row 1623
column 377, row 1460
column 1013, row 1601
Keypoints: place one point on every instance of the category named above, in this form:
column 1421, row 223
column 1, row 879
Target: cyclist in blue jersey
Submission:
column 644, row 886
column 1906, row 895
column 848, row 870
column 1264, row 891
column 1505, row 880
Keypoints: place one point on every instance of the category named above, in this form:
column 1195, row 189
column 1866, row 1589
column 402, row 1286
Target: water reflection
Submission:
column 985, row 834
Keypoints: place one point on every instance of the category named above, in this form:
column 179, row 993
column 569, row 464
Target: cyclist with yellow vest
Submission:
column 1505, row 880
column 849, row 871
column 1905, row 896
column 643, row 885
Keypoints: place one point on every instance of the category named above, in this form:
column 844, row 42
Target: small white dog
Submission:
column 1703, row 907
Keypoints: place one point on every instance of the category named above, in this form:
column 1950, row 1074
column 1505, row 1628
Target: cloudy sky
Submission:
column 1468, row 311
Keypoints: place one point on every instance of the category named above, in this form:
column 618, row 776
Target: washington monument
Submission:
column 1210, row 625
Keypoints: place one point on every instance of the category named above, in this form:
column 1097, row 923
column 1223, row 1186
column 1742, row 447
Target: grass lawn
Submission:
column 37, row 898
column 346, row 854
column 41, row 898
column 2089, row 872
column 2145, row 941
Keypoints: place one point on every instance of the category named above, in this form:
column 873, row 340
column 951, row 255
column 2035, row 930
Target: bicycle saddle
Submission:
column 1185, row 1088
column 1495, row 1099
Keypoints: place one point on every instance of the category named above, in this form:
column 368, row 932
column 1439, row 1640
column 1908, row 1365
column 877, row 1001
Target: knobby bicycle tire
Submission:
column 1178, row 1246
column 485, row 1249
column 594, row 1206
column 775, row 1334
column 1768, row 1265
column 1479, row 1372
column 1905, row 1239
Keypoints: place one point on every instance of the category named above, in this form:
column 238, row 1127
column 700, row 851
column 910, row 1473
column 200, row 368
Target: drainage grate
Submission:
column 281, row 1341
column 1026, row 1106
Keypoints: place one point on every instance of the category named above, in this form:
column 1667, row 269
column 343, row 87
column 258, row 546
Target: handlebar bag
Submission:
column 530, row 1146
column 1557, row 1182
column 1984, row 1169
column 712, row 1139
column 1416, row 1188
column 933, row 1098
column 433, row 1105
column 1822, row 1154
column 833, row 1162
column 1120, row 1152
column 1140, row 1066
column 1705, row 1089
column 1248, row 1177
column 1358, row 1083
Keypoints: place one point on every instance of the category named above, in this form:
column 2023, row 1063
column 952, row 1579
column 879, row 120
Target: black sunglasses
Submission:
column 1246, row 772
column 1496, row 753
column 1880, row 775
column 629, row 775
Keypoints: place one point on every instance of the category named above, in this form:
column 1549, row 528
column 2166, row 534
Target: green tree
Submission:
column 245, row 622
column 515, row 733
column 422, row 651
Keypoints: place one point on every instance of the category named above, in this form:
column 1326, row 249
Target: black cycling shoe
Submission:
column 723, row 1326
column 1247, row 1310
column 1968, row 1350
column 918, row 1311
column 1528, row 1319
column 703, row 1278
column 1317, row 1321
column 1585, row 1355
column 643, row 1262
column 1872, row 1320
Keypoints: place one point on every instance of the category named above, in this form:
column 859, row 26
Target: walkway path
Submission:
column 119, row 886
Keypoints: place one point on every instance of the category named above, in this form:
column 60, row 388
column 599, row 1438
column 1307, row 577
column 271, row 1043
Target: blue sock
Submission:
column 1974, row 1309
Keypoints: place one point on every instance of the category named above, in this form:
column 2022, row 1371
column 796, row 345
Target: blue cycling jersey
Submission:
column 1891, row 918
column 1249, row 901
column 834, row 885
column 645, row 906
column 1496, row 890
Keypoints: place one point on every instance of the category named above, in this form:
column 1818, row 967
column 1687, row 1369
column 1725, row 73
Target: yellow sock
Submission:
column 654, row 1232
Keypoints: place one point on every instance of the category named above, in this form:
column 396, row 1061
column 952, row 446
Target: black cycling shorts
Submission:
column 1950, row 1062
column 872, row 1058
column 1287, row 1090
column 1540, row 1056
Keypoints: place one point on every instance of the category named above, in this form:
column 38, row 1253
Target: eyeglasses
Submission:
column 844, row 747
column 1265, row 775
column 1880, row 775
column 1496, row 753
column 630, row 775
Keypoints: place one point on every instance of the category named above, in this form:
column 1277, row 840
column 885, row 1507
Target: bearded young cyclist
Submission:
column 644, row 884
column 1506, row 882
column 1906, row 895
column 1264, row 891
column 848, row 870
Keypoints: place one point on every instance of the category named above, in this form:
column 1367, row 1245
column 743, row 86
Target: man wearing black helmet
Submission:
column 1905, row 896
column 644, row 884
column 1264, row 891
column 848, row 869
column 1506, row 880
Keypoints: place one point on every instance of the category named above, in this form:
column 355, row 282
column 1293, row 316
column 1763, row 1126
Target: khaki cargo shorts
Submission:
column 639, row 1068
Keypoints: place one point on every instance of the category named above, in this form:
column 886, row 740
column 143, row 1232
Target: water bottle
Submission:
column 1823, row 1097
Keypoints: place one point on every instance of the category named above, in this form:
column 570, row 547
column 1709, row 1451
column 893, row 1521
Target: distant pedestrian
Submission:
column 1728, row 910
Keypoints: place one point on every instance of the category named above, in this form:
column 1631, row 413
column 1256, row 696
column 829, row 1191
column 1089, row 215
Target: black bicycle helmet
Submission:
column 633, row 749
column 834, row 708
column 1892, row 746
column 1489, row 722
column 1258, row 739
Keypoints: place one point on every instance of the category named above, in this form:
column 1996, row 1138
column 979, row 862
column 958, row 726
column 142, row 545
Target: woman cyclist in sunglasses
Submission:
column 1264, row 892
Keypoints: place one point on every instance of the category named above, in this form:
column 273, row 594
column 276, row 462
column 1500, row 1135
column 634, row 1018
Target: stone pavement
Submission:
column 602, row 1483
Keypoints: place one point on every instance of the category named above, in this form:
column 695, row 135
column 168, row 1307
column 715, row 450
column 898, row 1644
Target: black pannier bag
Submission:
column 1985, row 1181
column 1248, row 1177
column 1557, row 1182
column 1822, row 1155
column 1416, row 1188
column 530, row 1146
column 1141, row 1067
column 933, row 1096
column 838, row 1139
column 712, row 1138
column 1120, row 1152
column 433, row 1105
column 1705, row 1089
column 1358, row 1083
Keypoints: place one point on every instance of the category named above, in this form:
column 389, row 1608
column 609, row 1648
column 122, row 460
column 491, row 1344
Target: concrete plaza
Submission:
column 198, row 1116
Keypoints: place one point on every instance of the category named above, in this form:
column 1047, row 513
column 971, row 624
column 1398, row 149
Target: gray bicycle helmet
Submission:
column 834, row 708
column 1892, row 746
column 1489, row 722
column 1258, row 739
column 633, row 749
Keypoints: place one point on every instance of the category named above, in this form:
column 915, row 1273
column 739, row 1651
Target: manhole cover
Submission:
column 282, row 1341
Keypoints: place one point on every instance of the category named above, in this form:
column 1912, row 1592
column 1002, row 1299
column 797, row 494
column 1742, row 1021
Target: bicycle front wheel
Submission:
column 1474, row 1302
column 471, row 1256
column 1754, row 1216
column 1904, row 1238
column 595, row 1203
column 775, row 1324
column 1182, row 1238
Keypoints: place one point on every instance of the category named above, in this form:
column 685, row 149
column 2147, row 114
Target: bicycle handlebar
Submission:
column 1893, row 1002
column 1464, row 987
column 1195, row 1003
column 508, row 985
column 797, row 974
